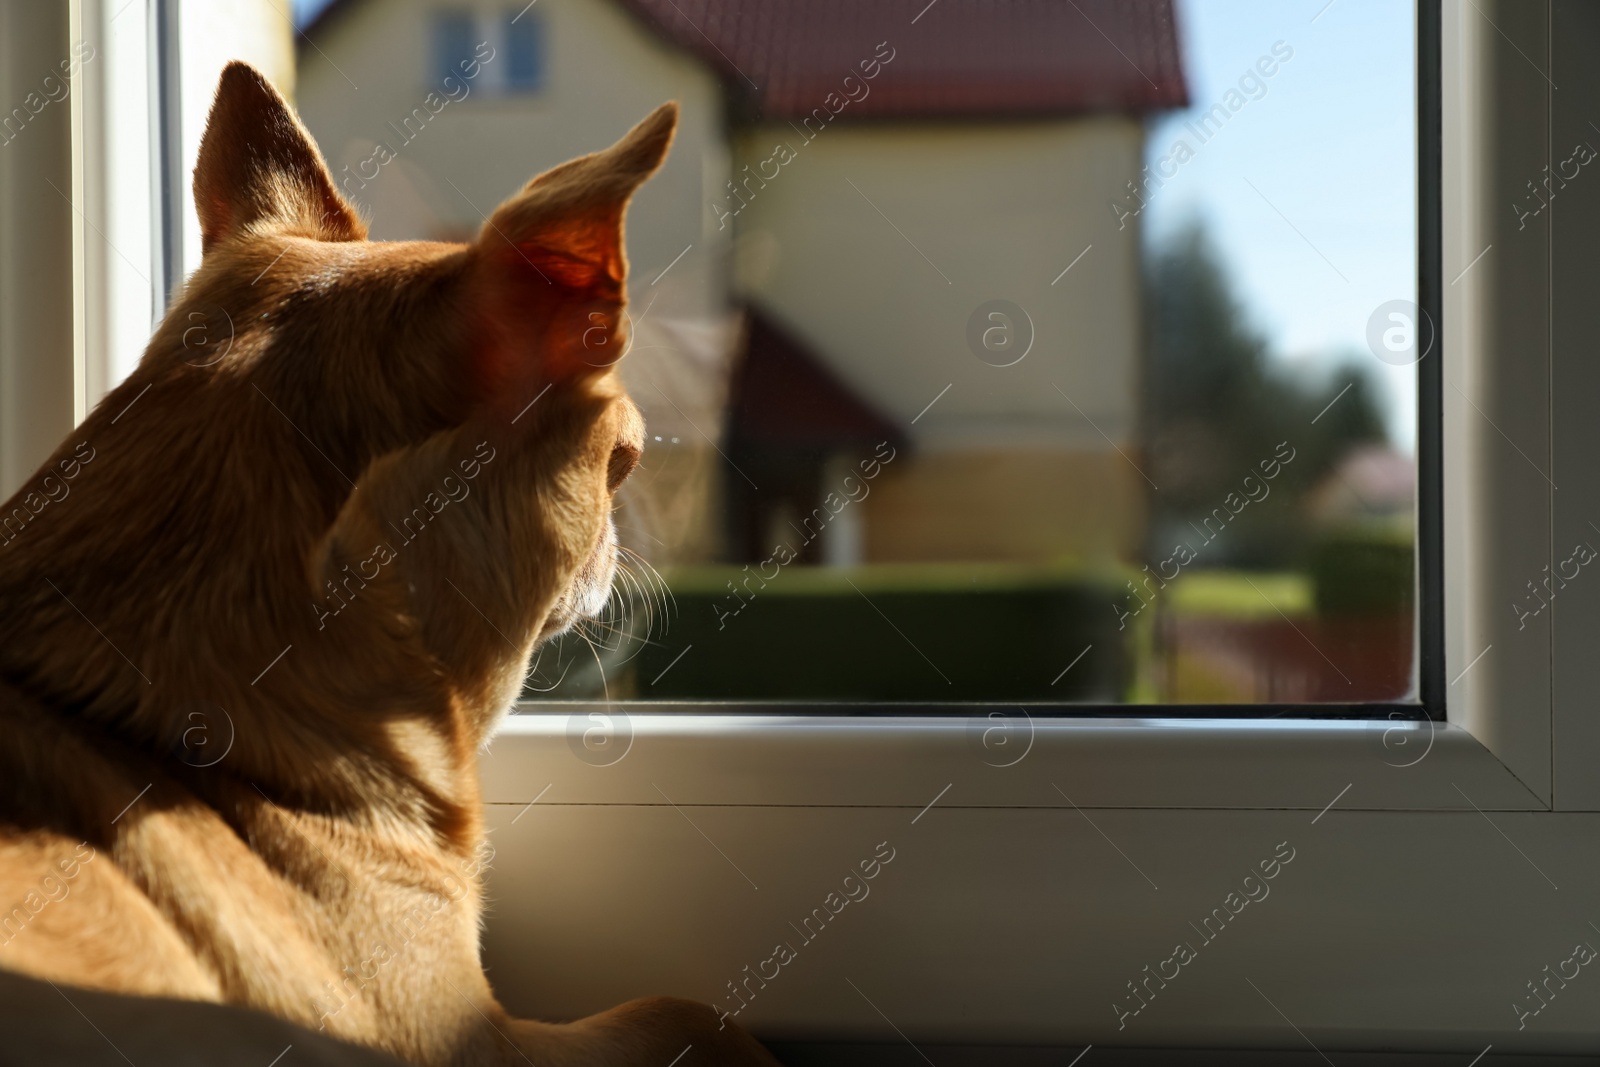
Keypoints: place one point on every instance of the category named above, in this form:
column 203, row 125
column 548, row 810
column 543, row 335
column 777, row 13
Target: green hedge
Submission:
column 1363, row 573
column 900, row 633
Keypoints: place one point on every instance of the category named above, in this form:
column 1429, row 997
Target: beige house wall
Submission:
column 1018, row 505
column 876, row 244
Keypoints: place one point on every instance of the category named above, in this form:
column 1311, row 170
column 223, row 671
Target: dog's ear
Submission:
column 259, row 170
column 567, row 223
column 554, row 262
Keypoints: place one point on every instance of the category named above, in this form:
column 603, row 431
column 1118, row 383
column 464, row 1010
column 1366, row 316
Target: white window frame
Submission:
column 1501, row 517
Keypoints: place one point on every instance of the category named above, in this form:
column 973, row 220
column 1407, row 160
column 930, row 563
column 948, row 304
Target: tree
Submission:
column 1215, row 407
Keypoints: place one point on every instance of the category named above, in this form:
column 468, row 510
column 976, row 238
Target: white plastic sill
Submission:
column 687, row 758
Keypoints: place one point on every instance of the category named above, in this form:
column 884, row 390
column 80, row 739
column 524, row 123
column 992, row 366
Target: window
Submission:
column 525, row 51
column 454, row 36
column 1067, row 356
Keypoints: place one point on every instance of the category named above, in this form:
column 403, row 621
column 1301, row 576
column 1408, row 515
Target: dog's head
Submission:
column 299, row 360
column 371, row 346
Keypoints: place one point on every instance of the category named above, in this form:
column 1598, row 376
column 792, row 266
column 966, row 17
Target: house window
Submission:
column 455, row 33
column 524, row 39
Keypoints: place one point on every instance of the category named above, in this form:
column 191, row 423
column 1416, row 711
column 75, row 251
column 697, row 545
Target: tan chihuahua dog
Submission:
column 345, row 532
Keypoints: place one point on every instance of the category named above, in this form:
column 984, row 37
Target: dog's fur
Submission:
column 203, row 554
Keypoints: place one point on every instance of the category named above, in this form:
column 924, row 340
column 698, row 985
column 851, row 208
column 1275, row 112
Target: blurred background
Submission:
column 1014, row 351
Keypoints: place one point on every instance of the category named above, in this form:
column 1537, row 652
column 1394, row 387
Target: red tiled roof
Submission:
column 783, row 395
column 951, row 58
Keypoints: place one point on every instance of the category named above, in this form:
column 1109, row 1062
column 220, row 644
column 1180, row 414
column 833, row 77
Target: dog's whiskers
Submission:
column 605, row 687
column 527, row 684
column 654, row 588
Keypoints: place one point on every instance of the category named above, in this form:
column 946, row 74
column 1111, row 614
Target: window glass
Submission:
column 454, row 34
column 1001, row 351
column 524, row 43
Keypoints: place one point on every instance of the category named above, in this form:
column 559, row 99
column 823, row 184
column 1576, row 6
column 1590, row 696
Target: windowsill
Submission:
column 800, row 761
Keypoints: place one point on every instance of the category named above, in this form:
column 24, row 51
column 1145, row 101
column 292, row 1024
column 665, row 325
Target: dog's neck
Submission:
column 85, row 634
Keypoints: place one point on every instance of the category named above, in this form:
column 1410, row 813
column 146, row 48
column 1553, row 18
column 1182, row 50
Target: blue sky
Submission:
column 1329, row 150
column 306, row 10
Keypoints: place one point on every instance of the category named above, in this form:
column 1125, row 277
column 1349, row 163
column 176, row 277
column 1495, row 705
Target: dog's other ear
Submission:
column 566, row 224
column 259, row 170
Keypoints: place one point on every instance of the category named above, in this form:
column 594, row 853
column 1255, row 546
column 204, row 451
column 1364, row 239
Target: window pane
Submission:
column 454, row 34
column 1003, row 351
column 524, row 40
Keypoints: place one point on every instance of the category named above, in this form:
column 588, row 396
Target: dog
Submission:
column 335, row 538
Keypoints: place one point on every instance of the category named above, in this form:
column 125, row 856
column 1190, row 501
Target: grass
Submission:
column 1241, row 594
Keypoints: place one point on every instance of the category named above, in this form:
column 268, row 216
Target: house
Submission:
column 915, row 202
column 1373, row 485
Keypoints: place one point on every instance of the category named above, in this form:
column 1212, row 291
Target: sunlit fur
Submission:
column 232, row 487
